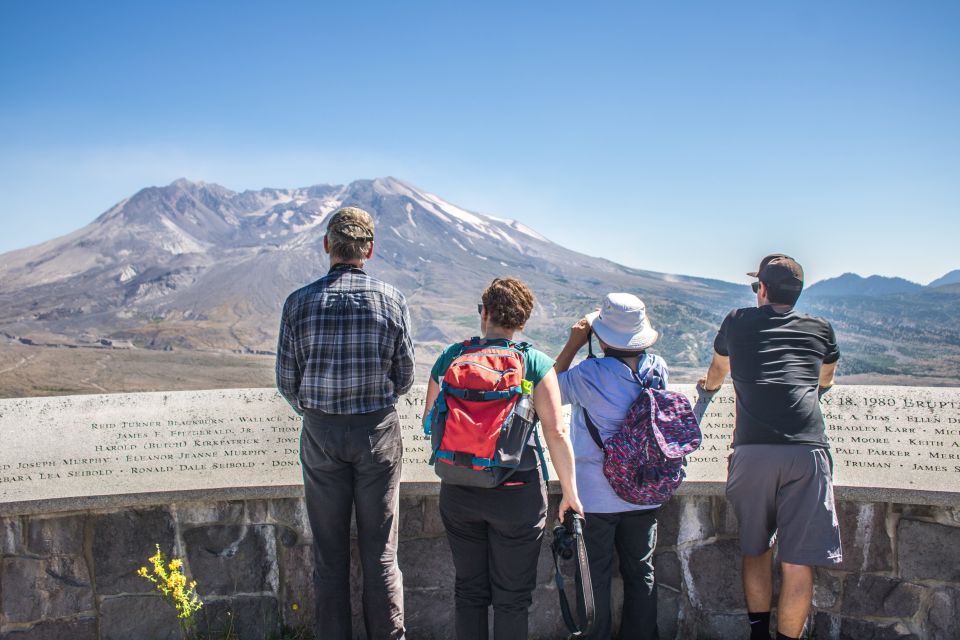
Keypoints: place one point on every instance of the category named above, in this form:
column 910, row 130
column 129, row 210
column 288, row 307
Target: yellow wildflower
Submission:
column 173, row 587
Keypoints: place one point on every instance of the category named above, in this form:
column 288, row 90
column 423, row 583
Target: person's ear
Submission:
column 326, row 245
column 369, row 251
column 763, row 291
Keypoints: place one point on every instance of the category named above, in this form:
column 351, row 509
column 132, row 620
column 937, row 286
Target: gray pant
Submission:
column 354, row 461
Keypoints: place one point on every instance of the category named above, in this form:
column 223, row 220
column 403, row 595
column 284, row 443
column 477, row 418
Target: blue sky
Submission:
column 681, row 137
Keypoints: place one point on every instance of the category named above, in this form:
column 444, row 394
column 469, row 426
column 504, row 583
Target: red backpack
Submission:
column 476, row 433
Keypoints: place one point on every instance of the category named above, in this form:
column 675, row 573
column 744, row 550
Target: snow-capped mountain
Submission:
column 196, row 265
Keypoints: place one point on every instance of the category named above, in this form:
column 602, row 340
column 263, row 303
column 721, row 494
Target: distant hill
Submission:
column 851, row 284
column 951, row 278
column 914, row 333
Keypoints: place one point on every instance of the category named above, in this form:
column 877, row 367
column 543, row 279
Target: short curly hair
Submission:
column 509, row 303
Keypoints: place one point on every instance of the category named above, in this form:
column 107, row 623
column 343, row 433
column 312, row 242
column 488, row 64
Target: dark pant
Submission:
column 495, row 536
column 354, row 460
column 634, row 536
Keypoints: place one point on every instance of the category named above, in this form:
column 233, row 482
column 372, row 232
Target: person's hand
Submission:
column 567, row 503
column 822, row 390
column 579, row 333
column 702, row 385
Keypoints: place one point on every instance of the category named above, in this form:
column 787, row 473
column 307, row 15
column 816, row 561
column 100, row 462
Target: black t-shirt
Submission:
column 775, row 360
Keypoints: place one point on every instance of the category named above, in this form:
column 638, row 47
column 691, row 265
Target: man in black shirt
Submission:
column 780, row 472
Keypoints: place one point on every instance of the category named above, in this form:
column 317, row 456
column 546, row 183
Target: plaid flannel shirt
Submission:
column 345, row 344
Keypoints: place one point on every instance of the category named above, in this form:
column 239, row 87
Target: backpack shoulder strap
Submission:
column 592, row 428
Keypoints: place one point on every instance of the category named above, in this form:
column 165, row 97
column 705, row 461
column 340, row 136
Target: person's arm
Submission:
column 433, row 390
column 829, row 366
column 402, row 371
column 288, row 371
column 546, row 400
column 579, row 334
column 719, row 368
column 827, row 371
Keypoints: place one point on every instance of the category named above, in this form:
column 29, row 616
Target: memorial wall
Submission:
column 888, row 443
column 88, row 485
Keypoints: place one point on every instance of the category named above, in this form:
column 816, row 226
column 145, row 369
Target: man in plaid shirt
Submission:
column 343, row 357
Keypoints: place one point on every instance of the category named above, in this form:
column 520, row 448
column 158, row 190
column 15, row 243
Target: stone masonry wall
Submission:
column 72, row 575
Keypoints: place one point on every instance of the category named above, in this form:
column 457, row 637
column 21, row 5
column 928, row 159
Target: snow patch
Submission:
column 455, row 211
column 409, row 209
column 180, row 242
column 128, row 274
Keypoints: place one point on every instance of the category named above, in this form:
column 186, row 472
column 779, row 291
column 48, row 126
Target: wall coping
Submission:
column 225, row 494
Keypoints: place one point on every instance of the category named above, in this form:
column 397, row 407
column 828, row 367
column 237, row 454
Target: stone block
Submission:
column 196, row 513
column 667, row 569
column 123, row 541
column 286, row 536
column 696, row 520
column 432, row 523
column 291, row 512
column 256, row 511
column 428, row 614
column 231, row 559
column 948, row 516
column 727, row 524
column 73, row 629
column 297, row 595
column 866, row 545
column 668, row 522
column 55, row 536
column 240, row 618
column 720, row 626
column 840, row 628
column 826, row 589
column 713, row 575
column 11, row 536
column 668, row 612
column 878, row 596
column 943, row 614
column 928, row 551
column 411, row 517
column 145, row 617
column 826, row 626
column 426, row 563
column 34, row 589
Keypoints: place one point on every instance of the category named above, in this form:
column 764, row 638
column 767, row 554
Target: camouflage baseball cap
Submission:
column 351, row 223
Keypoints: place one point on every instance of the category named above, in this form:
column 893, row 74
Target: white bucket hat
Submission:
column 622, row 323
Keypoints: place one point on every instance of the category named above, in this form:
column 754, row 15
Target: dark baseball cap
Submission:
column 784, row 272
column 763, row 263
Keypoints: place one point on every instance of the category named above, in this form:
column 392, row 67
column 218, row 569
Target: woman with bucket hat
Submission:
column 601, row 390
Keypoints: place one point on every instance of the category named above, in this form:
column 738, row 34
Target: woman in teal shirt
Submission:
column 495, row 534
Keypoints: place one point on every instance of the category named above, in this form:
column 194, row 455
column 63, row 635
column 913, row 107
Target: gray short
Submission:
column 783, row 493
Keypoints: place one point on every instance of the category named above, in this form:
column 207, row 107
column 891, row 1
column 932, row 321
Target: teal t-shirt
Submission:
column 536, row 364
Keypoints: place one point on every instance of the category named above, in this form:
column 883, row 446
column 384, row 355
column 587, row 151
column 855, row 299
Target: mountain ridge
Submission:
column 197, row 265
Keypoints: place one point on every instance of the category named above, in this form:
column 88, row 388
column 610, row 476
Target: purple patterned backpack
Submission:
column 644, row 461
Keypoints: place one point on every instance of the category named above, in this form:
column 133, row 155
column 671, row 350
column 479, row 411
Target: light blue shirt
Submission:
column 606, row 387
